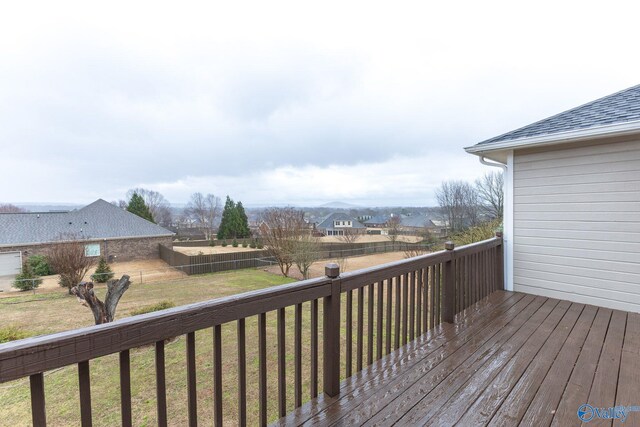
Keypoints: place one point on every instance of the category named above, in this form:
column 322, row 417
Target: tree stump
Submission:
column 103, row 312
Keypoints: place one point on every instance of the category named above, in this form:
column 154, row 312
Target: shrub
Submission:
column 162, row 305
column 12, row 333
column 260, row 246
column 40, row 265
column 234, row 243
column 212, row 242
column 253, row 244
column 224, row 243
column 245, row 244
column 103, row 272
column 26, row 280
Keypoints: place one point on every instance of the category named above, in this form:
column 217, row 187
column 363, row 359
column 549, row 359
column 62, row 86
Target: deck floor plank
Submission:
column 577, row 389
column 384, row 372
column 531, row 339
column 510, row 359
column 518, row 382
column 545, row 402
column 437, row 386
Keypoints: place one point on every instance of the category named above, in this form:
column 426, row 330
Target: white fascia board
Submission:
column 618, row 129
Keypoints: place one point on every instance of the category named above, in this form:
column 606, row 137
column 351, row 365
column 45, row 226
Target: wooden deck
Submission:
column 510, row 359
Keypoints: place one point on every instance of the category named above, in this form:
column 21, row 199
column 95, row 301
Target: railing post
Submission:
column 500, row 262
column 331, row 332
column 448, row 289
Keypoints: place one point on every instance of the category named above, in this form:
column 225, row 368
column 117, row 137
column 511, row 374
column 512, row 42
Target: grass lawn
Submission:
column 56, row 312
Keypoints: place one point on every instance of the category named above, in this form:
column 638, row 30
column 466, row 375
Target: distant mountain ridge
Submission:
column 340, row 205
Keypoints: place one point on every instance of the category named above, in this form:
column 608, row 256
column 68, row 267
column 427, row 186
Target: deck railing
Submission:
column 394, row 304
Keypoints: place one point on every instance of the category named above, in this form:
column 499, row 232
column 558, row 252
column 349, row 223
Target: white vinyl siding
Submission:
column 577, row 224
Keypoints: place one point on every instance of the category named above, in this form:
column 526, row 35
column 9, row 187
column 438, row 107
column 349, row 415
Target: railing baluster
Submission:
column 349, row 337
column 438, row 301
column 424, row 278
column 217, row 371
column 398, row 302
column 125, row 388
column 389, row 318
column 405, row 306
column 448, row 286
column 360, row 333
column 38, row 412
column 298, row 356
column 242, row 373
column 431, row 279
column 379, row 313
column 412, row 305
column 161, row 386
column 85, row 394
column 418, row 274
column 262, row 362
column 314, row 348
column 370, row 308
column 192, row 396
column 282, row 359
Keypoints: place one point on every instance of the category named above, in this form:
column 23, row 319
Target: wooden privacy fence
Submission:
column 401, row 300
column 213, row 263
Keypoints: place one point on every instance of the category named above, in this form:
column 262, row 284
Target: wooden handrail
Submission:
column 404, row 299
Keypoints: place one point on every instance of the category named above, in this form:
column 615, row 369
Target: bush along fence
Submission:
column 213, row 263
column 200, row 243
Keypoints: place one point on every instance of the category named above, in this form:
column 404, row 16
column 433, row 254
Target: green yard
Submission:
column 53, row 312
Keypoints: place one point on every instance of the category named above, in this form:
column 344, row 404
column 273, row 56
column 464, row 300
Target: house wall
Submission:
column 577, row 224
column 123, row 249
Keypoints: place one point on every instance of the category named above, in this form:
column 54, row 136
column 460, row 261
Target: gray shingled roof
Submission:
column 99, row 220
column 338, row 216
column 379, row 220
column 621, row 107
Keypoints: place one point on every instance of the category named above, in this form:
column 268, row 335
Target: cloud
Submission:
column 250, row 98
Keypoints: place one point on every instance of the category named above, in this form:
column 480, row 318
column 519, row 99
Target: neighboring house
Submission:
column 572, row 203
column 378, row 221
column 337, row 224
column 105, row 229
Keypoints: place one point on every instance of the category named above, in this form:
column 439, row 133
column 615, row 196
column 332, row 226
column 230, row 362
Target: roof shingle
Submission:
column 620, row 107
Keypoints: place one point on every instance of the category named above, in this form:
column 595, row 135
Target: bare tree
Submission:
column 9, row 208
column 204, row 210
column 306, row 251
column 103, row 312
column 349, row 235
column 459, row 203
column 280, row 229
column 490, row 190
column 157, row 204
column 393, row 228
column 68, row 259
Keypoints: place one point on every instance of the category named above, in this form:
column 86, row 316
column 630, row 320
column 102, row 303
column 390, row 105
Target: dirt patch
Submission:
column 354, row 263
column 372, row 238
column 140, row 272
column 210, row 250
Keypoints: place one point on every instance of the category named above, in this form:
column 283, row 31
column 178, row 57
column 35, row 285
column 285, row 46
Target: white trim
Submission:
column 507, row 231
column 617, row 129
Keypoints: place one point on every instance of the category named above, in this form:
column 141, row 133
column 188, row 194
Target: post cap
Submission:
column 498, row 233
column 332, row 270
column 449, row 245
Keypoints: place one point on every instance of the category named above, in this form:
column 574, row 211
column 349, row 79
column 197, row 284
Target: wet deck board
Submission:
column 511, row 359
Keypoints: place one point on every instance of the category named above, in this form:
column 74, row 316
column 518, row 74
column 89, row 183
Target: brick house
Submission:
column 106, row 230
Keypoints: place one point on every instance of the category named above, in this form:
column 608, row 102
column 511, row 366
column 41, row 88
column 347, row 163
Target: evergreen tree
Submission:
column 226, row 229
column 243, row 222
column 234, row 223
column 103, row 272
column 139, row 207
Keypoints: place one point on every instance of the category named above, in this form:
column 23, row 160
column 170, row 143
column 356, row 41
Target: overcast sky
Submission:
column 287, row 103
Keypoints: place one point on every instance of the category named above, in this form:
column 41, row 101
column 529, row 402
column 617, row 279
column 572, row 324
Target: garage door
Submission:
column 10, row 263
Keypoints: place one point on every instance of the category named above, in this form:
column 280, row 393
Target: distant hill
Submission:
column 340, row 205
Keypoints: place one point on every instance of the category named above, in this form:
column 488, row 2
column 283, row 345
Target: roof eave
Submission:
column 615, row 130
